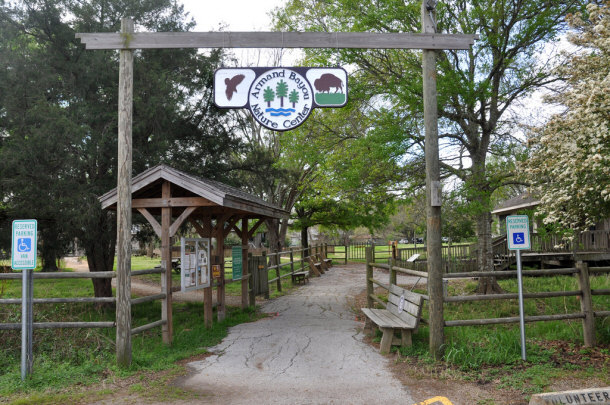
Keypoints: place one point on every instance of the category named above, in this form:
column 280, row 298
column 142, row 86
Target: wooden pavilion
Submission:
column 212, row 208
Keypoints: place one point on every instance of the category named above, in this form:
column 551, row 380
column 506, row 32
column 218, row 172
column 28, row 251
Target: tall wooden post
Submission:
column 221, row 311
column 208, row 312
column 123, row 287
column 433, row 187
column 244, row 265
column 368, row 257
column 166, row 263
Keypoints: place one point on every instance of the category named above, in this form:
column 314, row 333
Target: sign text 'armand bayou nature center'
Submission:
column 280, row 98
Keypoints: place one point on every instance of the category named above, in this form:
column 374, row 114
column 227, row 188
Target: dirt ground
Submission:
column 422, row 380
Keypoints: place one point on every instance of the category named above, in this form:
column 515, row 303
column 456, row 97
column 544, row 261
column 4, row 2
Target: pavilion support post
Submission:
column 433, row 188
column 208, row 313
column 123, row 288
column 220, row 252
column 244, row 259
column 166, row 263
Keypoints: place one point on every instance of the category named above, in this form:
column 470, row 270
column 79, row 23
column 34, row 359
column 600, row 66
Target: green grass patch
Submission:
column 66, row 358
column 492, row 353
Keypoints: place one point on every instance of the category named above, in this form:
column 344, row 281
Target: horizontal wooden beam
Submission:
column 337, row 40
column 171, row 202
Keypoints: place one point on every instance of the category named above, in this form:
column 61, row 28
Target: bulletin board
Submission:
column 194, row 263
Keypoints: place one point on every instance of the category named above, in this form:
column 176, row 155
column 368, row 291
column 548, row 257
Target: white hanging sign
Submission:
column 280, row 98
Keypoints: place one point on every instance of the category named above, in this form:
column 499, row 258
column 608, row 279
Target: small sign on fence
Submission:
column 237, row 260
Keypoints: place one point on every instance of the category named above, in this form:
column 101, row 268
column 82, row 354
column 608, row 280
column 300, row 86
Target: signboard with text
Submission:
column 23, row 252
column 518, row 232
column 194, row 263
column 280, row 98
column 237, row 260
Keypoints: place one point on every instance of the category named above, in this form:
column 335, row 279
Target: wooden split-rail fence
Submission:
column 582, row 272
column 275, row 263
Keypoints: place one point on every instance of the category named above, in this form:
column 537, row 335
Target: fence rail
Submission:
column 584, row 293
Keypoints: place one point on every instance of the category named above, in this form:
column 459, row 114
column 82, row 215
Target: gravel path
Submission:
column 310, row 351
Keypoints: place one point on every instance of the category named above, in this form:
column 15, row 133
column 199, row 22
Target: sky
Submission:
column 238, row 15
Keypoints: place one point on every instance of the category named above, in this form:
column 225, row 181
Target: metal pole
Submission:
column 521, row 316
column 24, row 321
column 27, row 327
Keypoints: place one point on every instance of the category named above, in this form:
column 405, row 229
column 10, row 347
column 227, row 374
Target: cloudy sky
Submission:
column 237, row 15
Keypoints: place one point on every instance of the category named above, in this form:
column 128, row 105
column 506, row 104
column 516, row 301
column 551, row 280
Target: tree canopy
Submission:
column 476, row 88
column 58, row 116
column 570, row 160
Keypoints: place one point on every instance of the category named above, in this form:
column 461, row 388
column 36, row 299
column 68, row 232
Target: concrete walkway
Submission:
column 311, row 351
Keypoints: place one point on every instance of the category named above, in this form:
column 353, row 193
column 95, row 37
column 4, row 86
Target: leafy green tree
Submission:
column 58, row 104
column 476, row 88
column 269, row 96
column 281, row 91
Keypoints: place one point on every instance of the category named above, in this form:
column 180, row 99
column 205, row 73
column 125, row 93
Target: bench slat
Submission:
column 385, row 319
column 409, row 307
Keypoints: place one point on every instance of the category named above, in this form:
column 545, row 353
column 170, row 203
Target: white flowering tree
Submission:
column 570, row 161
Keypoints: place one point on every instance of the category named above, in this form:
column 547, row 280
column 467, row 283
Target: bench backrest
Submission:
column 412, row 308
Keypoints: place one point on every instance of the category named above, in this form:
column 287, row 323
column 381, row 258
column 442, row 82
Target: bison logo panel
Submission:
column 330, row 86
column 280, row 98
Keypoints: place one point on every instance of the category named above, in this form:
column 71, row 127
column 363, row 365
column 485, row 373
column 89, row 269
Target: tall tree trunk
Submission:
column 487, row 285
column 273, row 229
column 304, row 241
column 50, row 250
column 99, row 246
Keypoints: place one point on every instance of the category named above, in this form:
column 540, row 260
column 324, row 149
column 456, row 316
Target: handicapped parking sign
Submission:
column 518, row 233
column 24, row 245
column 23, row 252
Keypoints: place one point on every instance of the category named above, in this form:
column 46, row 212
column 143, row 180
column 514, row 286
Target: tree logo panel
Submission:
column 280, row 98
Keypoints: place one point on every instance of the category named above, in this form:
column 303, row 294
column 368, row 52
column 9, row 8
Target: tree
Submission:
column 570, row 161
column 476, row 88
column 294, row 97
column 269, row 95
column 58, row 105
column 281, row 91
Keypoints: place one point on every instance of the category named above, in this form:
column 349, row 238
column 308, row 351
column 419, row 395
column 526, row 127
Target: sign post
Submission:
column 23, row 257
column 518, row 237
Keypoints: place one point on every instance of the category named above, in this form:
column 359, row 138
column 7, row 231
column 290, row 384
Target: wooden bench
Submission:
column 300, row 277
column 328, row 262
column 402, row 313
column 315, row 268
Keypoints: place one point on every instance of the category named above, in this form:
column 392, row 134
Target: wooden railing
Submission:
column 584, row 293
column 93, row 300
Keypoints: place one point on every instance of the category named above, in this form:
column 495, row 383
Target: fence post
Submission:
column 277, row 270
column 372, row 252
column 369, row 276
column 346, row 250
column 586, row 304
column 291, row 261
column 393, row 271
column 252, row 271
column 266, row 270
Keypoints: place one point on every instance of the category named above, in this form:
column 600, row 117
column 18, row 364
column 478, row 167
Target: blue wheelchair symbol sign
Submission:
column 24, row 245
column 518, row 238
